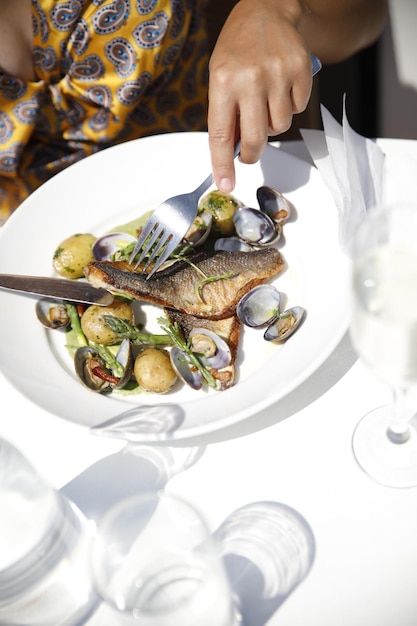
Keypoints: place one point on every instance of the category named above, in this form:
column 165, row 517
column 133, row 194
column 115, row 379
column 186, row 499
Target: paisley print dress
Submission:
column 106, row 71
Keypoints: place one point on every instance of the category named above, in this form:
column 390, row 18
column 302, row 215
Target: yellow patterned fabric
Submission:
column 106, row 72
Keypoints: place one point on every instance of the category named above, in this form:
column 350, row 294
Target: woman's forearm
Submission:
column 336, row 29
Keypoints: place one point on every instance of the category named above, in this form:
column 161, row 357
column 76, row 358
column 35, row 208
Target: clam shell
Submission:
column 222, row 355
column 184, row 369
column 200, row 229
column 274, row 204
column 104, row 247
column 231, row 244
column 255, row 227
column 260, row 306
column 285, row 326
column 87, row 357
column 52, row 314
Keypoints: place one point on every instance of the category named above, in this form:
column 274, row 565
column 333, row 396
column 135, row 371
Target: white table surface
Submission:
column 297, row 452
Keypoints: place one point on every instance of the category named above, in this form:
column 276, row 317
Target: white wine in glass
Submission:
column 384, row 334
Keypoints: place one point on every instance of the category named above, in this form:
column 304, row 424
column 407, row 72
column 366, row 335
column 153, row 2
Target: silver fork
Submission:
column 167, row 226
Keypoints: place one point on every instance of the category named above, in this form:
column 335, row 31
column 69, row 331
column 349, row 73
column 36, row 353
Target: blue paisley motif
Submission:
column 80, row 37
column 111, row 17
column 132, row 89
column 76, row 114
column 26, row 112
column 178, row 17
column 144, row 7
column 91, row 68
column 40, row 22
column 151, row 33
column 12, row 88
column 6, row 127
column 99, row 121
column 65, row 15
column 122, row 55
column 9, row 158
column 101, row 95
column 45, row 58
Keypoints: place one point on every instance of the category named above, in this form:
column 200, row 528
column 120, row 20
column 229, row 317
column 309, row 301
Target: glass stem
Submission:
column 399, row 431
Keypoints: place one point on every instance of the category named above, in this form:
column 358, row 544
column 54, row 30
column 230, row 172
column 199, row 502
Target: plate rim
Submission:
column 228, row 420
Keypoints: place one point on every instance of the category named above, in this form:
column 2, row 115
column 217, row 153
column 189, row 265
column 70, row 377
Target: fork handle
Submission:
column 204, row 185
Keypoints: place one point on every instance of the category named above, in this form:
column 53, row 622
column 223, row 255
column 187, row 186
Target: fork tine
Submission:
column 170, row 247
column 147, row 245
column 146, row 231
column 163, row 234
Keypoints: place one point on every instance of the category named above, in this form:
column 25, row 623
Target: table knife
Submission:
column 58, row 288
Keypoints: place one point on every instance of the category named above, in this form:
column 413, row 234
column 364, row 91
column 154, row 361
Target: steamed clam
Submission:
column 185, row 368
column 52, row 313
column 106, row 246
column 212, row 350
column 231, row 244
column 234, row 226
column 199, row 229
column 274, row 204
column 261, row 307
column 255, row 227
column 99, row 376
column 209, row 350
column 285, row 325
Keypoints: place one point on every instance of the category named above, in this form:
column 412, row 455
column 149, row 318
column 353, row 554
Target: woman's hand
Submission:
column 260, row 76
column 260, row 69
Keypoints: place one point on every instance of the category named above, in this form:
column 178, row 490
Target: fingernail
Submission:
column 226, row 185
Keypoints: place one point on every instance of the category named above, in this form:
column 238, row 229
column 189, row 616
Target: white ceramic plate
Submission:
column 119, row 184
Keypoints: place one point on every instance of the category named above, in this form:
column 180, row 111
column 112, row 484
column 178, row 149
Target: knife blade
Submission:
column 58, row 288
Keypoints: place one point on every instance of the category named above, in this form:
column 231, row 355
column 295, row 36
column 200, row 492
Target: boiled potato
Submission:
column 93, row 324
column 222, row 208
column 153, row 370
column 73, row 254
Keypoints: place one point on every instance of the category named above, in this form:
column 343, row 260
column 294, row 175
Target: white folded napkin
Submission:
column 352, row 167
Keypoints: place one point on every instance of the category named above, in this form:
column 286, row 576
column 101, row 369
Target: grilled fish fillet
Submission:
column 209, row 285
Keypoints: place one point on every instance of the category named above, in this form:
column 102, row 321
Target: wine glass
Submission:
column 384, row 334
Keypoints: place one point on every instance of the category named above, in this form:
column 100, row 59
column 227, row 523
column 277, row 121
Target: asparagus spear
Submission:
column 124, row 330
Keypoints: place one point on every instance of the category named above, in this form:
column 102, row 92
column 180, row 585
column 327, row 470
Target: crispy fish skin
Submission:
column 209, row 285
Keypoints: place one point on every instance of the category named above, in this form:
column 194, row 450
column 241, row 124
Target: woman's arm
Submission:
column 337, row 30
column 260, row 69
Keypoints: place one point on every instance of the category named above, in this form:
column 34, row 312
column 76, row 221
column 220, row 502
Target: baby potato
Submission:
column 153, row 370
column 94, row 326
column 73, row 254
column 222, row 208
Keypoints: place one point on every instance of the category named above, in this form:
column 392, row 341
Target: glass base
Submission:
column 389, row 461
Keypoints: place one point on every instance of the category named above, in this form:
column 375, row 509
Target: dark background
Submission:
column 358, row 78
